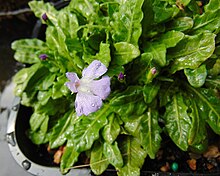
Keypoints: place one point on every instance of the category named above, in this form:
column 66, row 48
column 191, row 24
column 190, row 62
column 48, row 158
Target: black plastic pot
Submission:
column 34, row 159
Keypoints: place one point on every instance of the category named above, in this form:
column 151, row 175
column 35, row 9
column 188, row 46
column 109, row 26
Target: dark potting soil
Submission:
column 170, row 155
column 172, row 161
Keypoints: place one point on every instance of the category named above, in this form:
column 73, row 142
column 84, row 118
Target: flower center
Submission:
column 83, row 85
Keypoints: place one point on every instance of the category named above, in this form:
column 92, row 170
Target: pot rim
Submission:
column 21, row 159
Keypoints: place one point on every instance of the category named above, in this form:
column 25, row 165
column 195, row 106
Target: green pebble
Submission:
column 174, row 166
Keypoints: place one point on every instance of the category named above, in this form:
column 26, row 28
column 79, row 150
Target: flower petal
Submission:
column 72, row 76
column 94, row 70
column 73, row 81
column 71, row 86
column 87, row 103
column 101, row 87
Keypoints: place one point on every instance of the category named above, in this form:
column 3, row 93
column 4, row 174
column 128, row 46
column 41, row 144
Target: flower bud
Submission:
column 43, row 56
column 121, row 76
column 44, row 17
column 153, row 71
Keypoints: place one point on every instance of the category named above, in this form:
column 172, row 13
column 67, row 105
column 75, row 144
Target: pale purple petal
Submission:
column 71, row 86
column 101, row 87
column 94, row 70
column 74, row 81
column 87, row 103
column 72, row 76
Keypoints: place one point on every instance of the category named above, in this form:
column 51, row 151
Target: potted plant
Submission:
column 115, row 79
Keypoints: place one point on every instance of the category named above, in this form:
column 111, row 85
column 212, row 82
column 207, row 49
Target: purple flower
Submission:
column 90, row 90
column 43, row 56
column 44, row 17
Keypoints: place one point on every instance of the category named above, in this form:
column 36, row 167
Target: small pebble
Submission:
column 212, row 152
column 210, row 166
column 165, row 168
column 174, row 166
column 192, row 164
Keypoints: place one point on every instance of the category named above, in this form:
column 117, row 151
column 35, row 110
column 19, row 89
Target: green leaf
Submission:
column 209, row 19
column 212, row 5
column 60, row 131
column 151, row 133
column 129, row 102
column 44, row 96
column 115, row 70
column 171, row 38
column 28, row 78
column 213, row 82
column 197, row 76
column 180, row 24
column 198, row 129
column 216, row 68
column 69, row 23
column 150, row 91
column 164, row 10
column 28, row 50
column 126, row 24
column 38, row 137
column 125, row 53
column 112, row 129
column 52, row 106
column 147, row 70
column 87, row 9
column 98, row 161
column 55, row 39
column 191, row 51
column 157, row 51
column 165, row 94
column 210, row 108
column 44, row 125
column 177, row 121
column 113, row 154
column 146, row 129
column 69, row 158
column 87, row 130
column 47, row 82
column 59, row 89
column 104, row 54
column 36, row 121
column 133, row 155
column 148, row 24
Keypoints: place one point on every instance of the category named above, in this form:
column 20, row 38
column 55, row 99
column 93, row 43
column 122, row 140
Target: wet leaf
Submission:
column 125, row 53
column 112, row 129
column 86, row 131
column 113, row 154
column 197, row 76
column 69, row 157
column 98, row 161
column 178, row 122
column 133, row 156
column 126, row 23
column 61, row 130
column 28, row 50
column 192, row 51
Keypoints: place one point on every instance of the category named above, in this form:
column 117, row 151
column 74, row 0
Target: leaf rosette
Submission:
column 167, row 56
